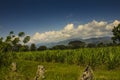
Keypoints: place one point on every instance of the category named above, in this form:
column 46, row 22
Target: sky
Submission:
column 57, row 20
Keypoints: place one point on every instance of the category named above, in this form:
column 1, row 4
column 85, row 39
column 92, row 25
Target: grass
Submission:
column 108, row 56
column 26, row 70
column 63, row 64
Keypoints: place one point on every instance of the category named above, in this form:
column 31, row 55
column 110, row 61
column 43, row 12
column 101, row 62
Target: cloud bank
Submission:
column 88, row 30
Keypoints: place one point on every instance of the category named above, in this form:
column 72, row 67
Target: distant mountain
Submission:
column 98, row 40
column 90, row 40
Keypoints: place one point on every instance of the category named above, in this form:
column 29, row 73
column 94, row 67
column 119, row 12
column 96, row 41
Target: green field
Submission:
column 64, row 64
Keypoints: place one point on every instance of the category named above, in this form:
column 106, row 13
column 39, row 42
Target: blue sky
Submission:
column 32, row 16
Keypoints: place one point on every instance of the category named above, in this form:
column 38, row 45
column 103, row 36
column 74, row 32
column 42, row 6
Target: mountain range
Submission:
column 87, row 41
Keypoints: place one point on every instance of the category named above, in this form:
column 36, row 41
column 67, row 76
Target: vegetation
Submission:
column 116, row 33
column 62, row 62
column 33, row 47
column 76, row 44
column 109, row 56
column 41, row 48
column 54, row 71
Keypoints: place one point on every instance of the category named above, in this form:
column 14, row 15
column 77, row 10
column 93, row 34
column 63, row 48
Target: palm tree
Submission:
column 33, row 47
column 15, row 41
column 26, row 39
column 21, row 34
column 11, row 33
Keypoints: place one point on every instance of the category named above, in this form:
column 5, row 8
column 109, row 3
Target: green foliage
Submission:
column 11, row 33
column 5, row 58
column 92, row 56
column 108, row 56
column 113, row 61
column 33, row 47
column 41, row 48
column 98, row 58
column 91, row 45
column 116, row 33
column 15, row 41
column 26, row 39
column 101, row 44
column 8, row 39
column 24, row 48
column 1, row 39
column 21, row 34
column 76, row 44
column 26, row 70
column 61, row 47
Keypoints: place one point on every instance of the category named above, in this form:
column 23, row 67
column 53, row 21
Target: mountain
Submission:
column 98, row 40
column 90, row 40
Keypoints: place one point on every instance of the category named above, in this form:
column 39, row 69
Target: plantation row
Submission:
column 109, row 56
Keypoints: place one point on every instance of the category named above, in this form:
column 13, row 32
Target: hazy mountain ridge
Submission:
column 90, row 40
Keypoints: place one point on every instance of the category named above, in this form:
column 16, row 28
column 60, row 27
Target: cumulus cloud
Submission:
column 88, row 30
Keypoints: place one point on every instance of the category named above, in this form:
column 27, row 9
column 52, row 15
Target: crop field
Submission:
column 64, row 64
column 109, row 56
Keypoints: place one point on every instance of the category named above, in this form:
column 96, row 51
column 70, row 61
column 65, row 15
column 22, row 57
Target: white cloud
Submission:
column 69, row 27
column 91, row 29
column 111, row 25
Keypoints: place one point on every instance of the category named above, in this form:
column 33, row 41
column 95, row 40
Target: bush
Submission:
column 5, row 58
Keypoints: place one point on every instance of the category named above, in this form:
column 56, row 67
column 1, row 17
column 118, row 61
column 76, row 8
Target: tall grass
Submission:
column 58, row 63
column 109, row 56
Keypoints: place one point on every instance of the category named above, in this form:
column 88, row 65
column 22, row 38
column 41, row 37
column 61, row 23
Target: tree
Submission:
column 18, row 47
column 1, row 40
column 8, row 39
column 11, row 33
column 5, row 55
column 41, row 48
column 101, row 44
column 116, row 34
column 21, row 34
column 33, row 47
column 61, row 47
column 76, row 44
column 26, row 39
column 15, row 41
column 91, row 45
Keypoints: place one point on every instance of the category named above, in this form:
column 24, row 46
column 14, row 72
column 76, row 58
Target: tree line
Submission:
column 14, row 42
